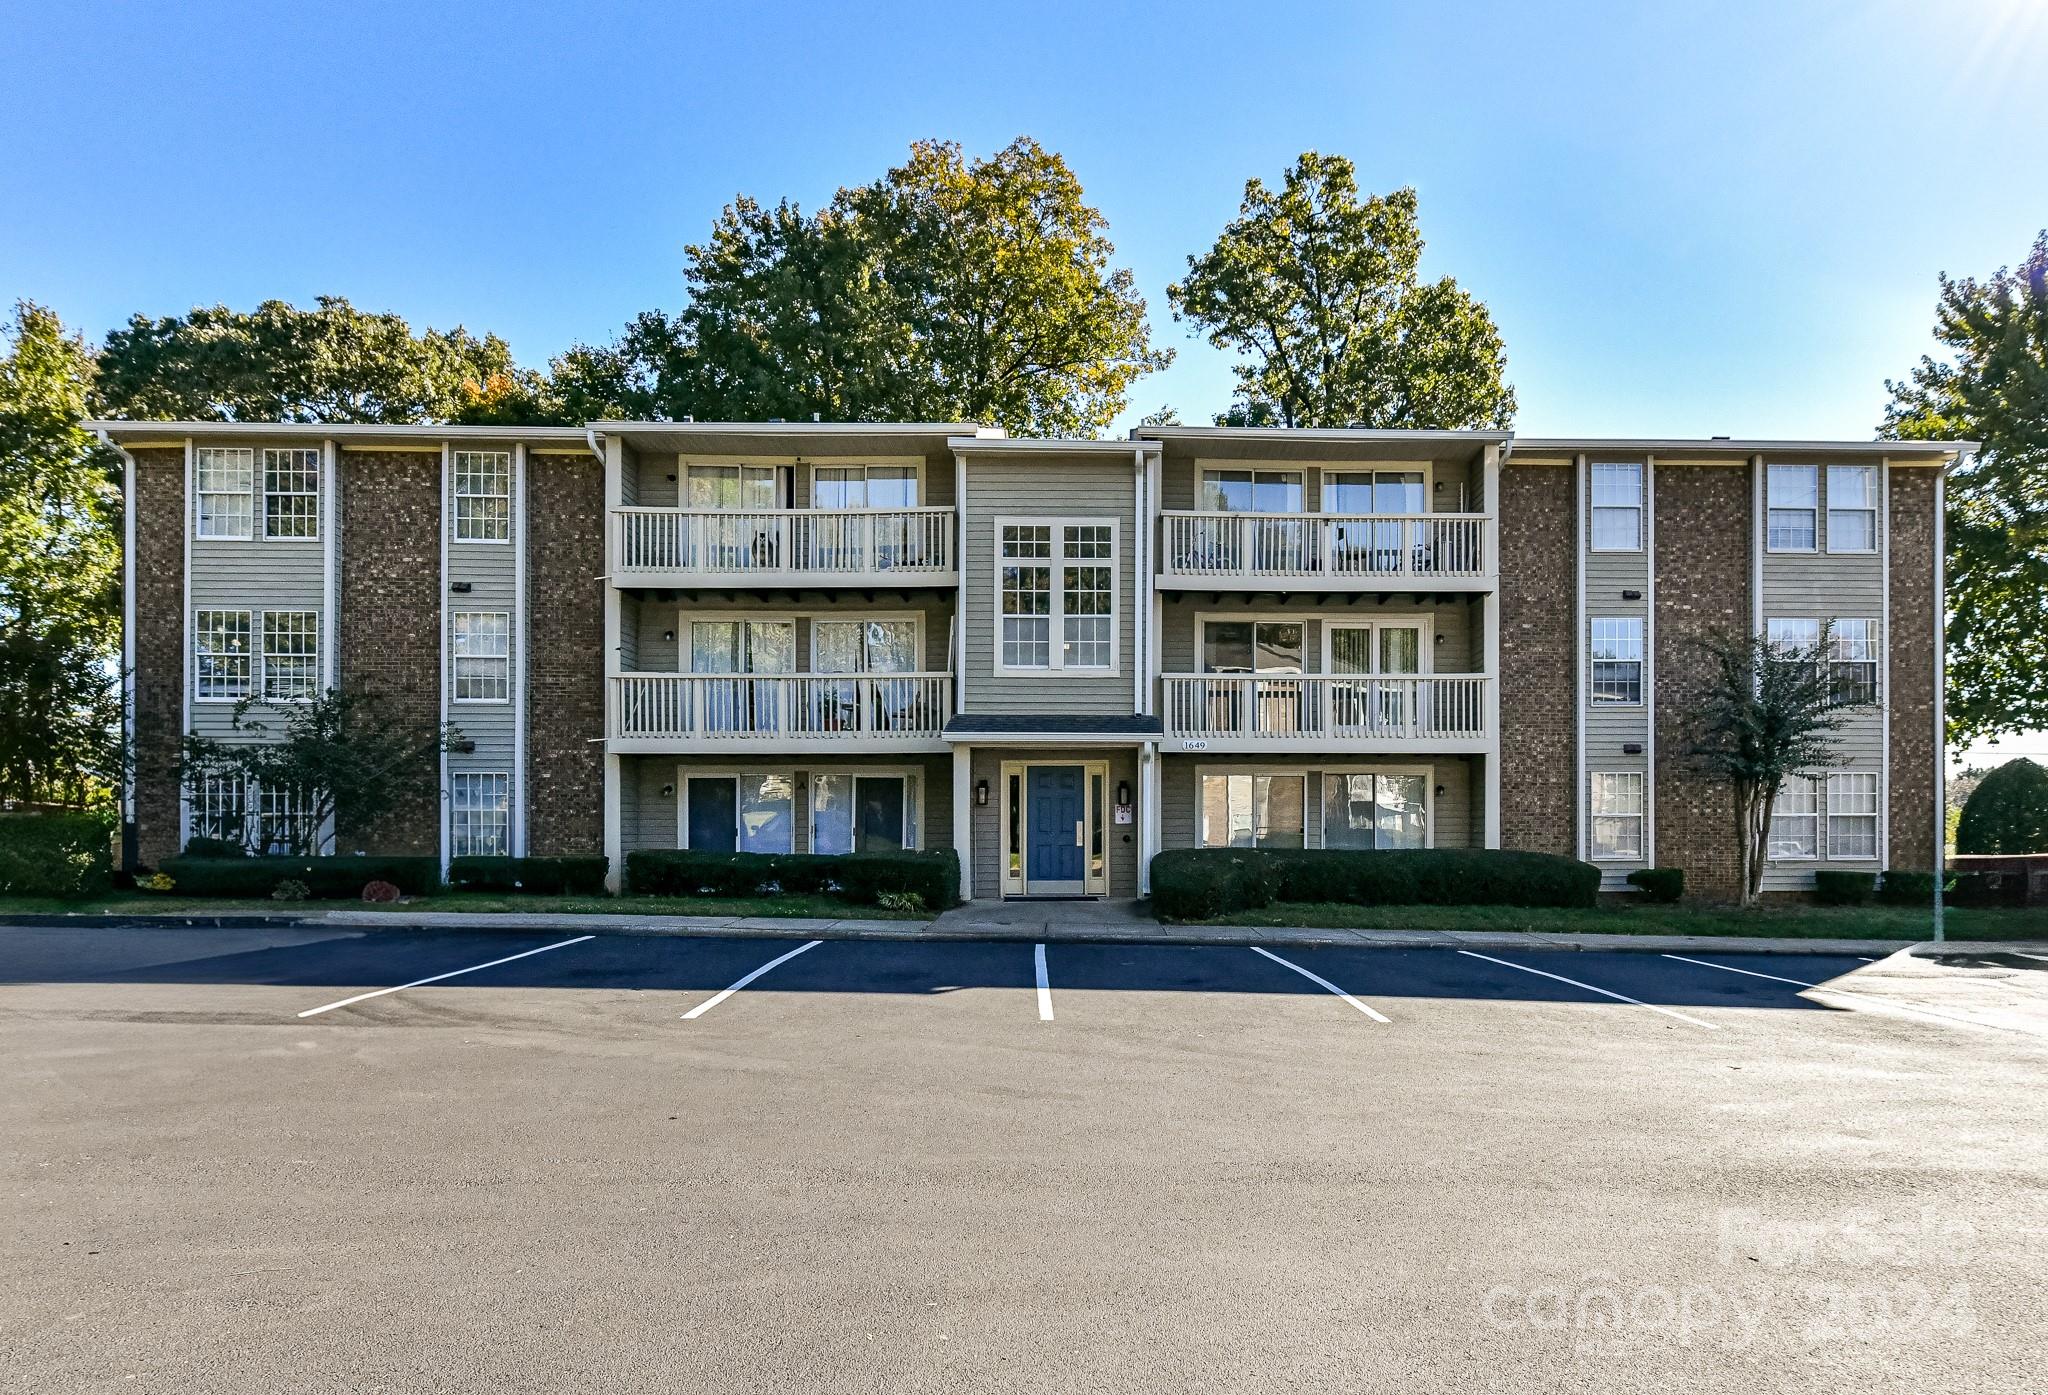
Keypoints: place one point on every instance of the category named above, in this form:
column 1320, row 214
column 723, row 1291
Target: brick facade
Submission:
column 566, row 662
column 159, row 648
column 1703, row 582
column 1538, row 598
column 390, row 614
column 1909, row 649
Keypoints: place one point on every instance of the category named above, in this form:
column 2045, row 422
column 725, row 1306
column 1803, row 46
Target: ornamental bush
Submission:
column 340, row 877
column 856, row 878
column 1197, row 883
column 1659, row 883
column 2007, row 813
column 1836, row 888
column 533, row 876
column 1906, row 888
column 57, row 854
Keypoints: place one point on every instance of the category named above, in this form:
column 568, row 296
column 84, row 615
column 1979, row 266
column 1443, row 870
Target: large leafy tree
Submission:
column 949, row 289
column 1993, row 388
column 332, row 363
column 1317, row 290
column 60, row 573
column 2007, row 812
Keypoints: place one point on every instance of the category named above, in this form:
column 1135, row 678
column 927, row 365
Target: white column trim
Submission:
column 1141, row 586
column 960, row 560
column 330, row 590
column 1490, row 618
column 444, row 525
column 1148, row 818
column 520, row 644
column 189, row 521
column 614, row 772
column 127, row 637
column 1756, row 545
column 1884, row 674
column 1650, row 660
column 963, row 818
column 1581, row 647
column 1940, row 692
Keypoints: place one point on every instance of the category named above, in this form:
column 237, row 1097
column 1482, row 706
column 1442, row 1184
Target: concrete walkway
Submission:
column 1115, row 922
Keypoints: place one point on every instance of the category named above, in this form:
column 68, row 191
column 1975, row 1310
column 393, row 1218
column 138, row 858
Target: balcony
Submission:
column 782, row 547
column 1327, row 712
column 761, row 713
column 1293, row 551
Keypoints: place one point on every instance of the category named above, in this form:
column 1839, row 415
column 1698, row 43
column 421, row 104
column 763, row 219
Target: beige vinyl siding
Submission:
column 986, row 821
column 1457, row 816
column 631, row 608
column 1018, row 487
column 650, row 819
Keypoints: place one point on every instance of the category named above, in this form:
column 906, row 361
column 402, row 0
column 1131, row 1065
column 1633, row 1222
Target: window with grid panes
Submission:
column 291, row 493
column 483, row 496
column 479, row 810
column 1617, row 659
column 221, row 662
column 224, row 480
column 291, row 654
column 481, row 641
column 1852, row 815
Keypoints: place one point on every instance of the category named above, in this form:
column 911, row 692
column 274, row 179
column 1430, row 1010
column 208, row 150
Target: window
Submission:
column 1617, row 506
column 864, row 487
column 479, row 810
column 1375, row 492
column 226, row 480
column 1618, row 659
column 483, row 496
column 1618, row 817
column 1852, row 508
column 716, row 487
column 1794, row 492
column 220, row 643
column 291, row 493
column 1795, row 821
column 291, row 655
column 862, row 813
column 1375, row 811
column 1852, row 815
column 1057, row 608
column 1251, row 491
column 482, row 645
column 740, row 813
column 1253, row 811
column 1790, row 638
column 284, row 822
column 1852, row 661
column 220, row 809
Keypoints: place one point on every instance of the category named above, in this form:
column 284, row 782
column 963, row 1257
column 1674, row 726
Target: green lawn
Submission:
column 131, row 903
column 1792, row 922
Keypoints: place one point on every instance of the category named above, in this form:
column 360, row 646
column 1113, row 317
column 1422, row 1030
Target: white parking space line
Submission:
column 2024, row 955
column 1590, row 988
column 1044, row 985
column 436, row 978
column 715, row 999
column 1876, row 1002
column 1319, row 979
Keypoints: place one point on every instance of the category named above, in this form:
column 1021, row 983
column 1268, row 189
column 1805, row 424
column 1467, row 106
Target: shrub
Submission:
column 214, row 847
column 1659, row 883
column 380, row 893
column 291, row 889
column 537, row 876
column 1835, row 888
column 2007, row 812
column 859, row 878
column 908, row 902
column 1989, row 889
column 1906, row 888
column 326, row 877
column 158, row 882
column 61, row 854
column 1194, row 883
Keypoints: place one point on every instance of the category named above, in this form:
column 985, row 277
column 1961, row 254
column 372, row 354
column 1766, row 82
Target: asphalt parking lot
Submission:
column 259, row 1160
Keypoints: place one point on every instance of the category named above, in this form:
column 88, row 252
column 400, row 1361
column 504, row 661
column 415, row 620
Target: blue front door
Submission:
column 1052, row 847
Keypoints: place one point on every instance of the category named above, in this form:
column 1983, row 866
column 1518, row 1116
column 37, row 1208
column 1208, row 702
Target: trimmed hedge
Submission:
column 1659, row 883
column 534, row 876
column 858, row 878
column 56, row 854
column 1988, row 890
column 325, row 877
column 1906, row 888
column 1195, row 883
column 202, row 846
column 1836, row 888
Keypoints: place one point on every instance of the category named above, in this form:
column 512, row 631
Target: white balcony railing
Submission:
column 795, row 542
column 1285, row 707
column 1358, row 549
column 736, row 708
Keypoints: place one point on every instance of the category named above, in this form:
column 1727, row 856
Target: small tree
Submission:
column 340, row 759
column 2007, row 812
column 1768, row 714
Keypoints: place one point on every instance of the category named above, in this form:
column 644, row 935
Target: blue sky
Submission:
column 1687, row 219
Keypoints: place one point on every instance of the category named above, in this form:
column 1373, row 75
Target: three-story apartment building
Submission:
column 1056, row 656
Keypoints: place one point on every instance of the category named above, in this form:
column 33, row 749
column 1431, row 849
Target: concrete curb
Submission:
column 778, row 928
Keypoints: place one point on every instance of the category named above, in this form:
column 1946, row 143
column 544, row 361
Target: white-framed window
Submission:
column 220, row 809
column 291, row 492
column 225, row 482
column 1794, row 505
column 1795, row 821
column 1852, row 815
column 753, row 488
column 483, row 496
column 1056, row 602
column 1852, row 662
column 291, row 655
column 481, row 645
column 1252, row 810
column 479, row 813
column 1789, row 636
column 222, row 668
column 284, row 821
column 1617, row 816
column 1617, row 506
column 1852, row 508
column 738, row 813
column 863, row 811
column 1617, row 660
column 1375, row 809
column 1246, row 490
column 844, row 487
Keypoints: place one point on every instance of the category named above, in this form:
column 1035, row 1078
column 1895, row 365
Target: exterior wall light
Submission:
column 981, row 793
